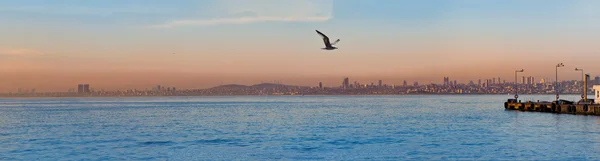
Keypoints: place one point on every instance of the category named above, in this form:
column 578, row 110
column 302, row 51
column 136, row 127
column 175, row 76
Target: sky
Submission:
column 53, row 45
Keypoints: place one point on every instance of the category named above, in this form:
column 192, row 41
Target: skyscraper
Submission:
column 346, row 83
column 404, row 84
column 321, row 85
column 446, row 81
column 86, row 88
column 80, row 88
column 380, row 84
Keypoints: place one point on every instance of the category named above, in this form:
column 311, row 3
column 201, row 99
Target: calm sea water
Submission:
column 290, row 128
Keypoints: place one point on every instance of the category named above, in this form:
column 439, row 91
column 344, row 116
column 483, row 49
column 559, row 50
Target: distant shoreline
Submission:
column 421, row 94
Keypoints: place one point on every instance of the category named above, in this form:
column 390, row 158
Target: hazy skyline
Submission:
column 115, row 44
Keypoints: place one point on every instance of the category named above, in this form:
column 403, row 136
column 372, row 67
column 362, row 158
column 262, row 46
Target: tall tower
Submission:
column 346, row 83
column 80, row 88
column 446, row 81
column 86, row 88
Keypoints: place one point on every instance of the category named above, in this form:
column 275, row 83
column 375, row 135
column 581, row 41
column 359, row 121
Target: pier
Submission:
column 585, row 106
column 561, row 106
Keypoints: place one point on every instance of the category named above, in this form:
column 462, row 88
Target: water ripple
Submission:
column 290, row 128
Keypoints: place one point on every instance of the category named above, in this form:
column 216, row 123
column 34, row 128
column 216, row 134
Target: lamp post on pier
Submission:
column 517, row 83
column 557, row 84
column 582, row 81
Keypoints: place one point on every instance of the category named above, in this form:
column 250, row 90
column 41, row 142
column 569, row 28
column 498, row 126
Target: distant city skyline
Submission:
column 345, row 84
column 116, row 44
column 139, row 80
column 345, row 88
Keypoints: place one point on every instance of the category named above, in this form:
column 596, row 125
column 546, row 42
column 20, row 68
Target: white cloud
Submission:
column 241, row 20
column 87, row 10
column 254, row 11
column 19, row 52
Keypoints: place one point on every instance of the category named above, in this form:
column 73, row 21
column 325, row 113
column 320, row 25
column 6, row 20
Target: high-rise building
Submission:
column 446, row 81
column 479, row 83
column 346, row 83
column 86, row 88
column 455, row 82
column 499, row 80
column 321, row 85
column 380, row 84
column 416, row 84
column 404, row 84
column 597, row 80
column 523, row 82
column 80, row 88
column 83, row 88
column 533, row 80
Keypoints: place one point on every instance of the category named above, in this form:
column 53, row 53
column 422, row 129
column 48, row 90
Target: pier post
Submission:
column 585, row 82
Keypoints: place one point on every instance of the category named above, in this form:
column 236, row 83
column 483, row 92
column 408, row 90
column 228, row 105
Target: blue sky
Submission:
column 413, row 40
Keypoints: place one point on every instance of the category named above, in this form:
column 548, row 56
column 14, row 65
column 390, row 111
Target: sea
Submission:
column 414, row 127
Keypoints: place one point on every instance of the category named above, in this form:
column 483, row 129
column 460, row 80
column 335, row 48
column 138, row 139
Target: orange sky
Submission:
column 57, row 50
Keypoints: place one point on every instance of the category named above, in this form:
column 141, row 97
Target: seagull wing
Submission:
column 336, row 41
column 325, row 39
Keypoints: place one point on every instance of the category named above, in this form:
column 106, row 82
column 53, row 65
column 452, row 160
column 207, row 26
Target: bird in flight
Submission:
column 328, row 45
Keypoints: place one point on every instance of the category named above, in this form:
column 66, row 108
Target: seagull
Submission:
column 328, row 45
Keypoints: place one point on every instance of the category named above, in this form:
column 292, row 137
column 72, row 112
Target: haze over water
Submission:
column 292, row 127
